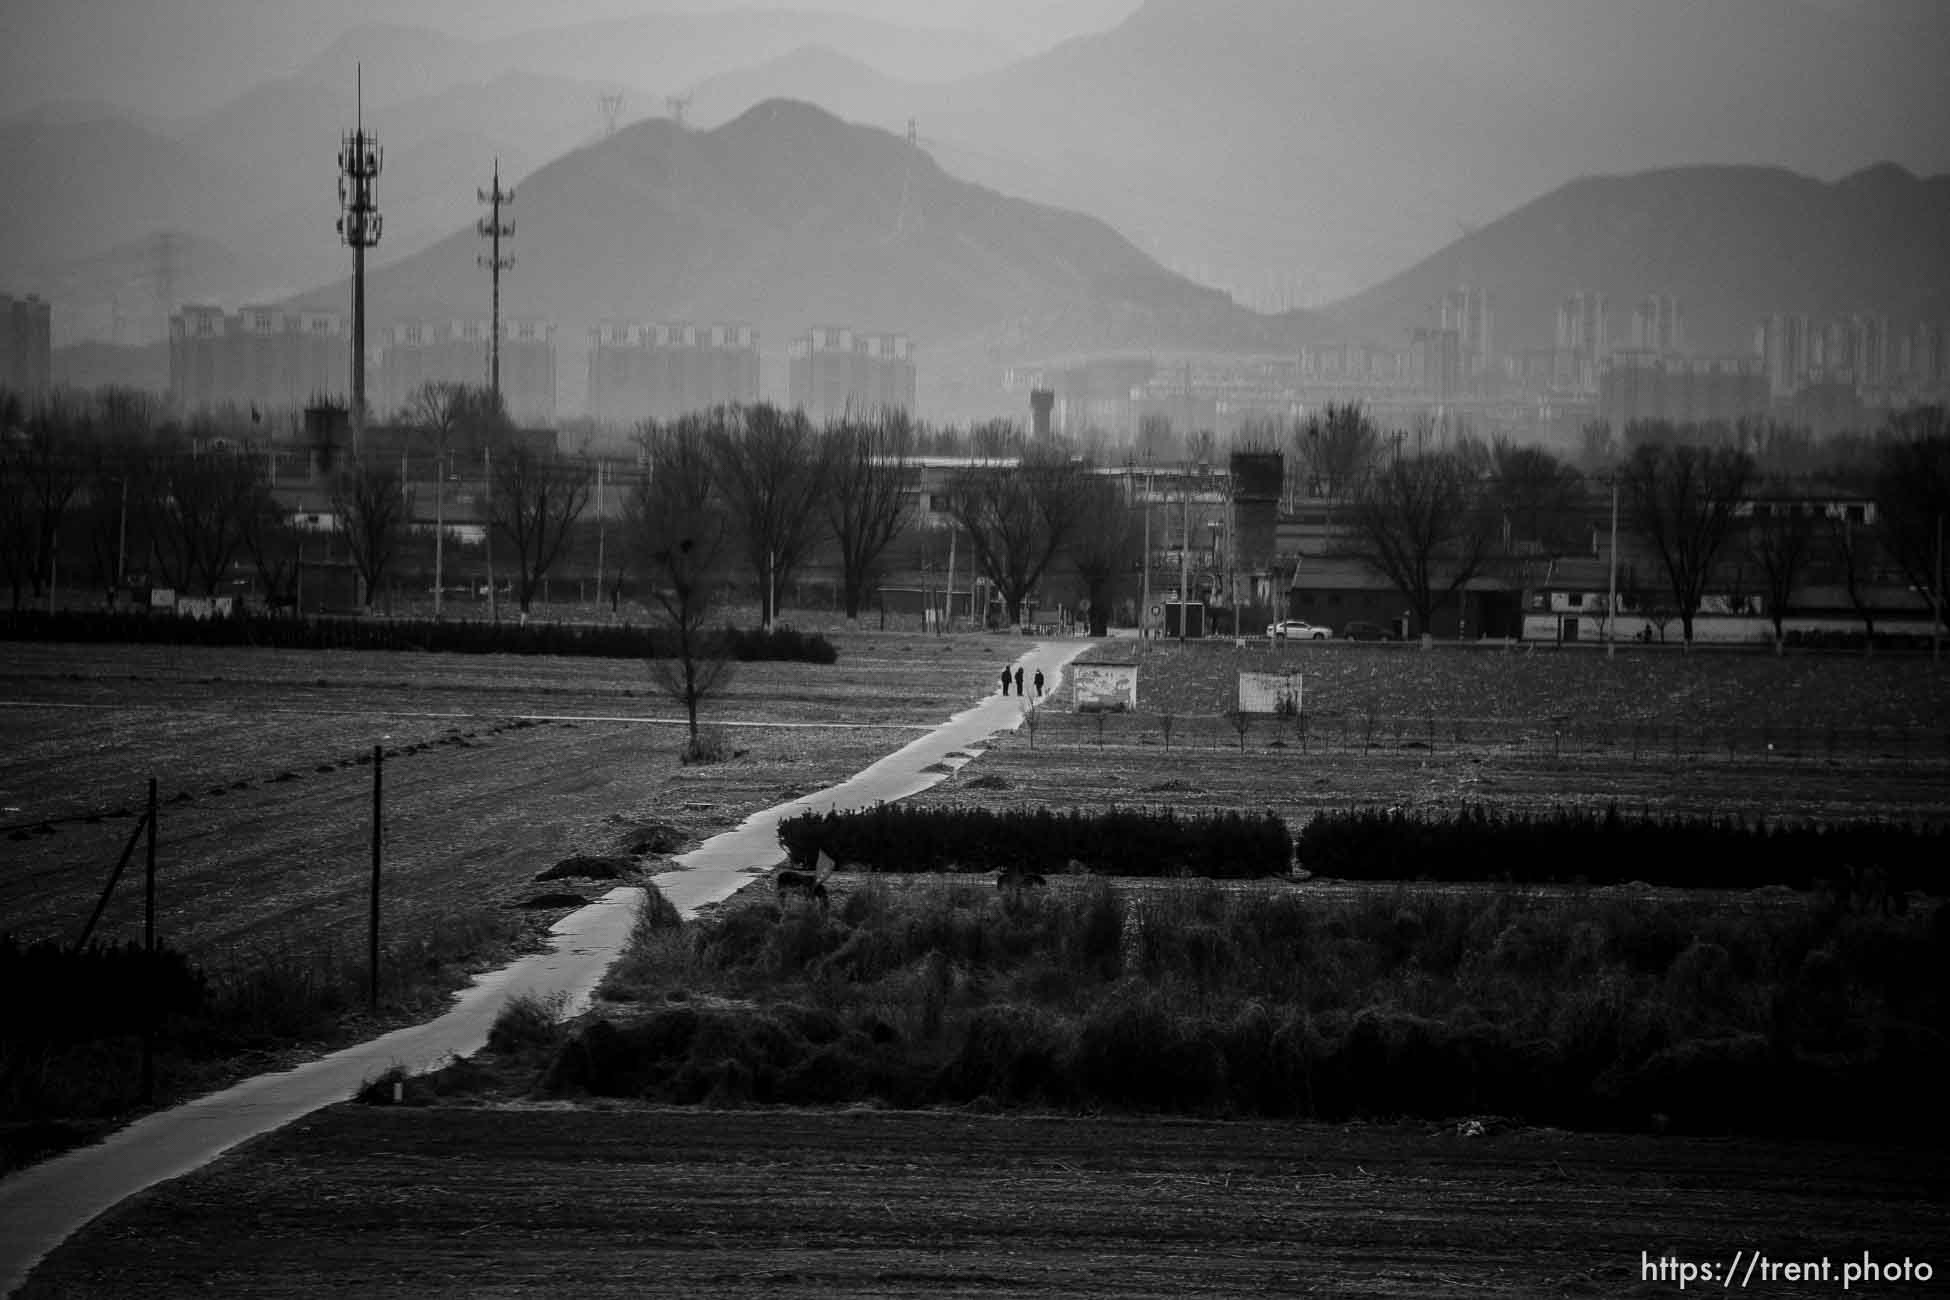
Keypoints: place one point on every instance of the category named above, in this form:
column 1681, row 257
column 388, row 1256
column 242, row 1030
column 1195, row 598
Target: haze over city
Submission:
column 1334, row 169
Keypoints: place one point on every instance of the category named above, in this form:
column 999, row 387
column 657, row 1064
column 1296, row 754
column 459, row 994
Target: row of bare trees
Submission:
column 1430, row 518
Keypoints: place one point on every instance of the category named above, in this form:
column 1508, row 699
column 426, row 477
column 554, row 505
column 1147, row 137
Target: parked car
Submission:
column 1297, row 629
column 1358, row 631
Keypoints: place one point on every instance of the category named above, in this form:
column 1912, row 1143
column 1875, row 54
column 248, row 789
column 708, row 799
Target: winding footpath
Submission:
column 41, row 1206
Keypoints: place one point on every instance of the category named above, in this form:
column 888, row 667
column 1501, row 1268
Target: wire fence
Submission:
column 1549, row 738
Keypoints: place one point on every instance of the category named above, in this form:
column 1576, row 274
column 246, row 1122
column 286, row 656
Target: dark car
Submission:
column 1367, row 632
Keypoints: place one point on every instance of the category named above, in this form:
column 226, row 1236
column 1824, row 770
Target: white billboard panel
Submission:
column 1105, row 688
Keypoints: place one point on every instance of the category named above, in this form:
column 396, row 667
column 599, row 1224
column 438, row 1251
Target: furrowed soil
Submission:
column 1799, row 737
column 495, row 768
column 627, row 1201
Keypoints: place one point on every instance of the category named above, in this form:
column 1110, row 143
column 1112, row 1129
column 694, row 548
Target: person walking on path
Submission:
column 1005, row 679
column 1019, row 689
column 1039, row 683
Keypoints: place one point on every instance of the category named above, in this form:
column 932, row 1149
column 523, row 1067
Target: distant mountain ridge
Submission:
column 1733, row 243
column 788, row 217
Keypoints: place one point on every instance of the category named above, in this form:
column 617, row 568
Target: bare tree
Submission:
column 51, row 461
column 1107, row 544
column 194, row 501
column 1335, row 449
column 1912, row 495
column 275, row 549
column 370, row 508
column 1424, row 523
column 534, row 502
column 1779, row 539
column 1541, row 499
column 771, row 471
column 1016, row 520
column 681, row 539
column 866, row 496
column 1681, row 500
column 1857, row 556
column 996, row 439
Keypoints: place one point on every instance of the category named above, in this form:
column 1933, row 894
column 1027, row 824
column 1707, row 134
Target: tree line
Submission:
column 1748, row 502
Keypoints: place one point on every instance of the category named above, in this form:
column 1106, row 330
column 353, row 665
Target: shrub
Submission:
column 1118, row 841
column 1570, row 845
column 444, row 636
column 526, row 1024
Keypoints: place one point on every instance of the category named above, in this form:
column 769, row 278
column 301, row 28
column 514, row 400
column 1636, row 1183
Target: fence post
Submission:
column 149, row 947
column 372, row 941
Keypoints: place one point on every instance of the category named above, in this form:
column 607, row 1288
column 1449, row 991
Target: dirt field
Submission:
column 265, row 783
column 622, row 1201
column 1715, row 733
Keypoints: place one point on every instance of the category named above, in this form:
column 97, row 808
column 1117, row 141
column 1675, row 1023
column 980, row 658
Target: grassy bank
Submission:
column 63, row 1082
column 1737, row 1014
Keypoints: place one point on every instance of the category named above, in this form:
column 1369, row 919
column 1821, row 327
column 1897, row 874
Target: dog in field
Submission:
column 808, row 885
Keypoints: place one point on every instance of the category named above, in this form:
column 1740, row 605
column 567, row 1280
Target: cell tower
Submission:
column 677, row 104
column 360, row 159
column 494, row 230
column 612, row 106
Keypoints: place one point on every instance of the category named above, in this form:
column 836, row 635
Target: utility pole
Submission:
column 440, row 521
column 1144, row 609
column 602, row 531
column 360, row 159
column 1611, row 595
column 953, row 534
column 493, row 229
column 1185, row 563
column 487, row 536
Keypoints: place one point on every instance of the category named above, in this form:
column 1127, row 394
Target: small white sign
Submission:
column 1269, row 693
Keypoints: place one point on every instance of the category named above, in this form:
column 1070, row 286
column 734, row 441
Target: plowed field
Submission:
column 630, row 1202
column 495, row 769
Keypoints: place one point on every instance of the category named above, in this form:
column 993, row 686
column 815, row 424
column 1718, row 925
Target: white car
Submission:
column 1296, row 630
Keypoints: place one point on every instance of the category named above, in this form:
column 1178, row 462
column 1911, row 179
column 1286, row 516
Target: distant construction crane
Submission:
column 612, row 107
column 494, row 230
column 360, row 159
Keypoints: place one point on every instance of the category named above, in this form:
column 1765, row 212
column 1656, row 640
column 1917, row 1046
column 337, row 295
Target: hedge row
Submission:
column 445, row 636
column 1564, row 846
column 58, row 994
column 1121, row 841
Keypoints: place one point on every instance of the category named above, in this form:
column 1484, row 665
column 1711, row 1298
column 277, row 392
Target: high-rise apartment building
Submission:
column 456, row 352
column 1657, row 326
column 264, row 357
column 1785, row 344
column 1644, row 385
column 1467, row 312
column 1583, row 340
column 660, row 372
column 836, row 372
column 26, row 354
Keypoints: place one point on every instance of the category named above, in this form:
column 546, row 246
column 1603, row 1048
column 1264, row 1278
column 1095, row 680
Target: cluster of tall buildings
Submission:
column 836, row 371
column 456, row 352
column 659, row 372
column 276, row 359
column 1859, row 351
column 1645, row 384
column 26, row 354
column 265, row 357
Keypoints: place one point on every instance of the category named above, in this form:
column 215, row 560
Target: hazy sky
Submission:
column 174, row 57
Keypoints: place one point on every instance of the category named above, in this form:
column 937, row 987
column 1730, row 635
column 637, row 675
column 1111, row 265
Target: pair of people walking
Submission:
column 1016, row 675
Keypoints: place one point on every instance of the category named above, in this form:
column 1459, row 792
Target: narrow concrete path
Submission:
column 43, row 1205
column 717, row 868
